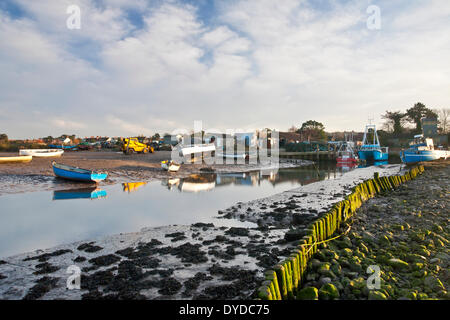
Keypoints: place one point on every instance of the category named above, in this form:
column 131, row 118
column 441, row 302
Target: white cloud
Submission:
column 260, row 63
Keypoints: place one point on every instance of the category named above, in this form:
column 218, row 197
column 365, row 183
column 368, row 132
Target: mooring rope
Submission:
column 320, row 242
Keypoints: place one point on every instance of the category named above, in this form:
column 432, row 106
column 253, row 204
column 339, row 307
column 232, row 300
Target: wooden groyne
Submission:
column 284, row 280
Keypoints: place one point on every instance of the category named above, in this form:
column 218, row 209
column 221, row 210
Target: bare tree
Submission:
column 443, row 118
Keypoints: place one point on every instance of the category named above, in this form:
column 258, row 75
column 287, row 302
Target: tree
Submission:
column 313, row 130
column 395, row 120
column 293, row 129
column 444, row 115
column 417, row 112
column 3, row 137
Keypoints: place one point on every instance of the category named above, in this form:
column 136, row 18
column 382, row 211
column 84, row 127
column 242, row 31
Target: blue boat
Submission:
column 371, row 150
column 83, row 193
column 422, row 149
column 77, row 174
column 55, row 146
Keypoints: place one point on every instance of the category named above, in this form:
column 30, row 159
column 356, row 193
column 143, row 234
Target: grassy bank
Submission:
column 404, row 233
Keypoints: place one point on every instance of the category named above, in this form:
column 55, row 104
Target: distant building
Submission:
column 429, row 127
column 430, row 130
column 289, row 137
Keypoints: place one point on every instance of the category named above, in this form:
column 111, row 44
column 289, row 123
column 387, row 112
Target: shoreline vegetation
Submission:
column 400, row 235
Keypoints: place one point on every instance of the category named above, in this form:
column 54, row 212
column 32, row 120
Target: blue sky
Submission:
column 139, row 67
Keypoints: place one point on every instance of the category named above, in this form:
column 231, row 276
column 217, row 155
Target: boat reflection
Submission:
column 132, row 186
column 303, row 175
column 81, row 193
column 346, row 167
column 375, row 163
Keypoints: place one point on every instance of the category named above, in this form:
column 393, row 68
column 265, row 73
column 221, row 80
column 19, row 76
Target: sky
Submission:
column 143, row 66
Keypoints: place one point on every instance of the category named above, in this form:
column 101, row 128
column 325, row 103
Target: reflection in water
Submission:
column 298, row 176
column 346, row 167
column 81, row 193
column 132, row 186
column 376, row 164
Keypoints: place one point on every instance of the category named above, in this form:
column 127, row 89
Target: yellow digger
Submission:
column 132, row 145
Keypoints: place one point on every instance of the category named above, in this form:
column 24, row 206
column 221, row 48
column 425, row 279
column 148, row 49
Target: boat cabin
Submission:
column 421, row 143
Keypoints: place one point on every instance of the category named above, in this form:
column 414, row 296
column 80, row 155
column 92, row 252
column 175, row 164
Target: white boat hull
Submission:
column 19, row 159
column 41, row 153
column 170, row 166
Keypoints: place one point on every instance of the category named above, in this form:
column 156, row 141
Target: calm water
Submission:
column 39, row 220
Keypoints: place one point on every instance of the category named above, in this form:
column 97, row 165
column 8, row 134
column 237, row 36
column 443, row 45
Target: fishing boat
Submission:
column 41, row 153
column 19, row 159
column 55, row 146
column 77, row 174
column 346, row 154
column 422, row 149
column 371, row 149
column 82, row 193
column 170, row 166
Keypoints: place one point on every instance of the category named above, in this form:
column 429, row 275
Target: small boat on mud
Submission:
column 77, row 174
column 55, row 146
column 170, row 166
column 41, row 153
column 82, row 193
column 422, row 149
column 371, row 149
column 17, row 159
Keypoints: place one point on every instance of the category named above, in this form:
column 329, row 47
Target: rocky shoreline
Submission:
column 403, row 234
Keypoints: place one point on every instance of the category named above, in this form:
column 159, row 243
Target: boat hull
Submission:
column 19, row 159
column 373, row 155
column 346, row 160
column 53, row 146
column 170, row 166
column 413, row 156
column 77, row 174
column 41, row 153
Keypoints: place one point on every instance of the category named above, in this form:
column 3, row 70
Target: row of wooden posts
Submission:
column 285, row 279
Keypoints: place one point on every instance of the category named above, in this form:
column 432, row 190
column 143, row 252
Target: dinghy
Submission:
column 19, row 159
column 170, row 166
column 77, row 174
column 41, row 153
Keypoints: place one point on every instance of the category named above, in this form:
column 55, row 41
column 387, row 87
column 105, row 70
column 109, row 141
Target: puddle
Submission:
column 43, row 219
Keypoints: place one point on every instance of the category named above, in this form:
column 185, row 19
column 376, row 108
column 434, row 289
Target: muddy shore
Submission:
column 200, row 261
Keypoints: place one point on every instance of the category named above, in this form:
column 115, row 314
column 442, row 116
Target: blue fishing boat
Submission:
column 77, row 174
column 371, row 149
column 82, row 193
column 422, row 149
column 55, row 146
